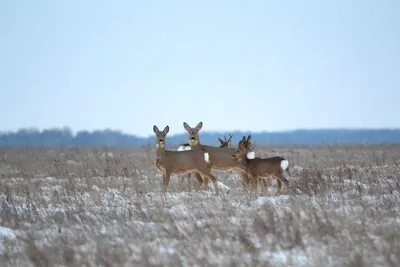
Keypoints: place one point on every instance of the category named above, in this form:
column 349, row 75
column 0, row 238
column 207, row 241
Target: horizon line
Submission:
column 74, row 133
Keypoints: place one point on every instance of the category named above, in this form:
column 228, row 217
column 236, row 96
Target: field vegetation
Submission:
column 105, row 207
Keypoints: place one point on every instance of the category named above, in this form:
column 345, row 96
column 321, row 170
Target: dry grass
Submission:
column 104, row 207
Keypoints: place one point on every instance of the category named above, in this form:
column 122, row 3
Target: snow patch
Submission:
column 105, row 155
column 278, row 200
column 7, row 233
column 221, row 186
column 178, row 210
column 299, row 258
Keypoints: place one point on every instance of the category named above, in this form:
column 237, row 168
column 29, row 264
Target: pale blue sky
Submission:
column 248, row 65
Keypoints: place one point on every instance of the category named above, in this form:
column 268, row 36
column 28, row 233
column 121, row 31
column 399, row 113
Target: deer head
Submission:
column 226, row 143
column 244, row 150
column 160, row 136
column 193, row 133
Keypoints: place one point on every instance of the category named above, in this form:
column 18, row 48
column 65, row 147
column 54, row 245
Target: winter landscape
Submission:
column 90, row 90
column 105, row 207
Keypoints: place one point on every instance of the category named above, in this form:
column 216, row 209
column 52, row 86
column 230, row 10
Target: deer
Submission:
column 182, row 162
column 258, row 168
column 220, row 157
column 223, row 143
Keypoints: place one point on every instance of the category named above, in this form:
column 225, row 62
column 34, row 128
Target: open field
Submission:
column 105, row 207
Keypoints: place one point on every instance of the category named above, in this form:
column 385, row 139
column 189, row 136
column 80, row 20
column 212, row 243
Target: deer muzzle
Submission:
column 192, row 141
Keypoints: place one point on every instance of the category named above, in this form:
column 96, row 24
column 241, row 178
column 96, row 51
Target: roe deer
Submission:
column 220, row 157
column 225, row 143
column 258, row 168
column 185, row 147
column 181, row 162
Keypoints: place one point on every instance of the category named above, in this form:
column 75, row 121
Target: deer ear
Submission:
column 186, row 126
column 249, row 138
column 155, row 129
column 241, row 145
column 199, row 126
column 166, row 129
column 244, row 138
column 220, row 141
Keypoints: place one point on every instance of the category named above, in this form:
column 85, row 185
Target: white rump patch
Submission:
column 251, row 155
column 284, row 164
column 184, row 148
column 206, row 157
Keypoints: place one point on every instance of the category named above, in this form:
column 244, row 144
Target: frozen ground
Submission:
column 76, row 207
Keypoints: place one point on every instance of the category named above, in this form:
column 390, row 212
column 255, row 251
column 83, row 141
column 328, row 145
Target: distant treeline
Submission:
column 65, row 137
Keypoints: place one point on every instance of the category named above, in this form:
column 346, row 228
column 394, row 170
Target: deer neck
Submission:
column 194, row 144
column 244, row 161
column 160, row 151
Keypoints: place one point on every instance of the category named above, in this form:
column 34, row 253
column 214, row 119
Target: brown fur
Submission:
column 223, row 143
column 258, row 168
column 220, row 158
column 181, row 162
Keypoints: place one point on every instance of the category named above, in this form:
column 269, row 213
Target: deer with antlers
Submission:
column 259, row 168
column 182, row 162
column 223, row 143
column 220, row 157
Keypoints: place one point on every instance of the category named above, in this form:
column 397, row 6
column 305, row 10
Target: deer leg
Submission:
column 249, row 182
column 281, row 179
column 163, row 177
column 260, row 185
column 188, row 177
column 279, row 186
column 245, row 178
column 208, row 176
column 288, row 171
column 254, row 183
column 265, row 183
column 183, row 178
column 166, row 178
column 199, row 179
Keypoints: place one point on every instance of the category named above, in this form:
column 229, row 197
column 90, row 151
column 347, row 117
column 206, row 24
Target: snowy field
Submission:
column 98, row 207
